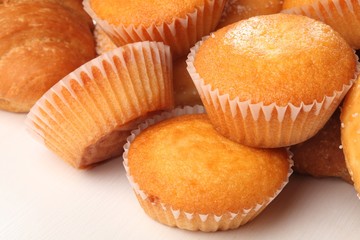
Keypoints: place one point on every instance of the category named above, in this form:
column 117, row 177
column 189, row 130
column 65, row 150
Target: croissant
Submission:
column 40, row 43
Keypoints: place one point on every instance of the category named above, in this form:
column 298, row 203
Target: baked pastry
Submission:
column 103, row 42
column 282, row 77
column 38, row 48
column 219, row 184
column 86, row 116
column 322, row 155
column 185, row 93
column 75, row 6
column 350, row 133
column 341, row 15
column 236, row 10
column 179, row 24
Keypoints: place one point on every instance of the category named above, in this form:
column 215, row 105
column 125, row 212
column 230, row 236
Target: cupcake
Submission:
column 236, row 10
column 341, row 15
column 179, row 24
column 86, row 116
column 216, row 183
column 350, row 133
column 272, row 80
column 185, row 93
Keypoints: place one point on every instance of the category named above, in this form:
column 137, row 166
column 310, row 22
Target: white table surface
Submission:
column 42, row 197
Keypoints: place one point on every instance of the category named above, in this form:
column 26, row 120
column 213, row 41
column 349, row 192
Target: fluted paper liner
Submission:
column 86, row 115
column 260, row 125
column 341, row 15
column 166, row 214
column 180, row 34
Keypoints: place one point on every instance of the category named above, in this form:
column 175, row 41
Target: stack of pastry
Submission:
column 266, row 82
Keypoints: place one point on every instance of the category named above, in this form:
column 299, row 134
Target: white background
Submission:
column 42, row 197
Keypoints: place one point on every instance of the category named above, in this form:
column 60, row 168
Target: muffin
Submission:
column 86, row 116
column 74, row 6
column 236, row 10
column 103, row 42
column 322, row 155
column 40, row 43
column 282, row 77
column 341, row 15
column 179, row 24
column 216, row 183
column 185, row 93
column 350, row 133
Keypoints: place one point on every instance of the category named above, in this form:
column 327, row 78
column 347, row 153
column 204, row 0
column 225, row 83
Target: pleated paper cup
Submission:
column 341, row 15
column 180, row 34
column 260, row 125
column 86, row 117
column 194, row 221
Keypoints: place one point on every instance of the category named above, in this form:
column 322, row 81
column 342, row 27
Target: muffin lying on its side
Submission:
column 86, row 116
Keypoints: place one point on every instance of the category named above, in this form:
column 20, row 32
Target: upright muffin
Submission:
column 187, row 175
column 179, row 24
column 341, row 15
column 86, row 116
column 282, row 76
column 185, row 93
column 236, row 10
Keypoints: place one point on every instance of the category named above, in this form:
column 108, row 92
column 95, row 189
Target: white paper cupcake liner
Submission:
column 341, row 15
column 88, row 112
column 260, row 125
column 166, row 214
column 181, row 34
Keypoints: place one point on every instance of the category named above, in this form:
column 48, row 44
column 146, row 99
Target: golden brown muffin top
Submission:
column 276, row 58
column 350, row 133
column 297, row 3
column 145, row 13
column 184, row 162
